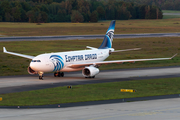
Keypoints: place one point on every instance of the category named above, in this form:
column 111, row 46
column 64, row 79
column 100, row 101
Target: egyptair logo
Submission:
column 110, row 34
column 57, row 61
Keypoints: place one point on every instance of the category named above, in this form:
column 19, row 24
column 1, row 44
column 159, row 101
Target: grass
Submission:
column 170, row 11
column 151, row 48
column 122, row 27
column 170, row 16
column 92, row 92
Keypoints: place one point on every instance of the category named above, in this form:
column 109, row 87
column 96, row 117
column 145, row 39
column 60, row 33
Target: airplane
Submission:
column 88, row 61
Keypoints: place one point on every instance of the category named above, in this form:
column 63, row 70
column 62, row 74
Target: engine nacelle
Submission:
column 31, row 71
column 90, row 71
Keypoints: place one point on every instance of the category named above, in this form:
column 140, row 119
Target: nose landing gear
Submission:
column 59, row 74
column 40, row 75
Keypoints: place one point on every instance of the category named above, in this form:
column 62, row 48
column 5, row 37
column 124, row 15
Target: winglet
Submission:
column 4, row 49
column 173, row 56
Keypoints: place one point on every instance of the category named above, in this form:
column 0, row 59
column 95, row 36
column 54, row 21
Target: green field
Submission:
column 122, row 27
column 170, row 11
column 171, row 16
column 92, row 92
column 151, row 48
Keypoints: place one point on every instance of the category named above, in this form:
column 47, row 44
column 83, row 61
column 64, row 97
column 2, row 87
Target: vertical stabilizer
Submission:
column 108, row 39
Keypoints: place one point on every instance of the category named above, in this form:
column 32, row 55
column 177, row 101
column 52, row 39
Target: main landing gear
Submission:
column 58, row 74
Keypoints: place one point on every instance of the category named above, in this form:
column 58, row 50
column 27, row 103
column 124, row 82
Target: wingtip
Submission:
column 4, row 49
column 174, row 56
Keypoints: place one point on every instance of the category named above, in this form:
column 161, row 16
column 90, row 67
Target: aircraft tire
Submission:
column 59, row 74
column 40, row 77
column 90, row 77
column 62, row 74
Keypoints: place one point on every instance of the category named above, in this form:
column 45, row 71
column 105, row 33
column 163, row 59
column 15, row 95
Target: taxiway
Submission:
column 162, row 109
column 11, row 84
column 75, row 37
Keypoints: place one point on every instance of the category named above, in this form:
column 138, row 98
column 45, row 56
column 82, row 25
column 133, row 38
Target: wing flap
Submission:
column 115, row 61
column 17, row 54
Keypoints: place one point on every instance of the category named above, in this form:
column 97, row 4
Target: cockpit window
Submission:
column 35, row 61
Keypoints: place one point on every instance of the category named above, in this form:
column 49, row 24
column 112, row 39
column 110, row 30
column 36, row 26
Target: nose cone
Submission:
column 42, row 66
column 33, row 66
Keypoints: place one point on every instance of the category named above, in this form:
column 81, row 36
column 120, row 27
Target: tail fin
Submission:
column 107, row 42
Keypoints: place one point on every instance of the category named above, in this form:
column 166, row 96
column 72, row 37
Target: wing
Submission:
column 17, row 54
column 114, row 61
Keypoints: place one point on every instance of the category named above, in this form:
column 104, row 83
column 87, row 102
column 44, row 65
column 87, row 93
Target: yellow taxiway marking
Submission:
column 127, row 90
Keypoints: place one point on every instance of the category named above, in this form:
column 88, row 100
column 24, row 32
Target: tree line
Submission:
column 41, row 11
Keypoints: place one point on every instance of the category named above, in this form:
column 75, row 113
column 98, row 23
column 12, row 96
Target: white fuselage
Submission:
column 59, row 61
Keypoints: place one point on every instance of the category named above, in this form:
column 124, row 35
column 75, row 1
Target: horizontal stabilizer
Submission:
column 127, row 50
column 92, row 48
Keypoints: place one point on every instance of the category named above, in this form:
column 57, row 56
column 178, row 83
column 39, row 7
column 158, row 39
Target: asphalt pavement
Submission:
column 75, row 37
column 9, row 84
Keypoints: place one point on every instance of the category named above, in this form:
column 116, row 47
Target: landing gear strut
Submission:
column 40, row 75
column 58, row 74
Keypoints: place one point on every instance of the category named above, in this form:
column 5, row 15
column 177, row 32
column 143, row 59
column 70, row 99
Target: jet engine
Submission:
column 31, row 71
column 90, row 71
